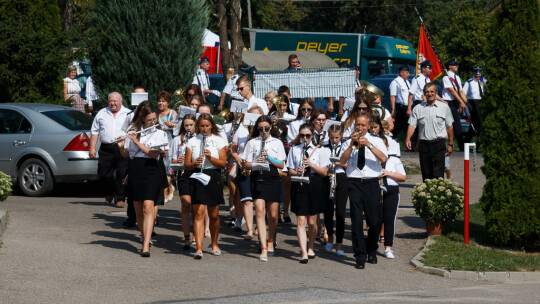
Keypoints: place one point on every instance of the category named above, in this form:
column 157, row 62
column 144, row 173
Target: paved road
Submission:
column 72, row 248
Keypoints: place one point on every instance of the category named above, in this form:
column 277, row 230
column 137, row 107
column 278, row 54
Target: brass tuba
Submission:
column 370, row 91
column 382, row 112
column 276, row 101
column 182, row 102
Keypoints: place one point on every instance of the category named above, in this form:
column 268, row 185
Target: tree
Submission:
column 33, row 52
column 510, row 138
column 154, row 44
column 229, row 15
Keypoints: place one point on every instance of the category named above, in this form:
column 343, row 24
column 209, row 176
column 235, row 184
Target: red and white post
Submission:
column 466, row 209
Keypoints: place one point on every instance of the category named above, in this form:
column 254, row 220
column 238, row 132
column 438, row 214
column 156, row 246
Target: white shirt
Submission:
column 149, row 138
column 472, row 88
column 73, row 86
column 108, row 126
column 393, row 146
column 222, row 133
column 178, row 149
column 231, row 88
column 273, row 146
column 241, row 137
column 129, row 118
column 202, row 80
column 417, row 86
column 394, row 165
column 254, row 101
column 372, row 167
column 335, row 151
column 317, row 134
column 91, row 94
column 321, row 156
column 447, row 83
column 432, row 121
column 399, row 88
column 294, row 127
column 294, row 108
column 213, row 143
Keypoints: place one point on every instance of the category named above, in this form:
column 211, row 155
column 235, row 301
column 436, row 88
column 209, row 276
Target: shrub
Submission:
column 510, row 141
column 5, row 186
column 437, row 200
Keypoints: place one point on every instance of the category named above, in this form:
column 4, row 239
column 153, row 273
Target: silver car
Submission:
column 42, row 144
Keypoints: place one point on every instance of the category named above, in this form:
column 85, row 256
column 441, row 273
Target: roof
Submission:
column 279, row 60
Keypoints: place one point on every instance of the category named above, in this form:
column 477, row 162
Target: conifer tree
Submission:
column 33, row 52
column 510, row 140
column 155, row 44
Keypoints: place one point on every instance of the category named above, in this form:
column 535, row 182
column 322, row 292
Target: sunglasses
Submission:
column 305, row 135
column 240, row 89
column 306, row 109
column 263, row 129
column 190, row 95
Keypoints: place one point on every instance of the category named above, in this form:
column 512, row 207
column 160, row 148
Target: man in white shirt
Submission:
column 453, row 94
column 363, row 172
column 399, row 97
column 112, row 167
column 244, row 88
column 474, row 88
column 202, row 80
column 231, row 88
column 91, row 93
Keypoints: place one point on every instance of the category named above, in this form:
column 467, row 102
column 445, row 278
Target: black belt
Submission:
column 402, row 105
column 432, row 141
column 238, row 99
column 109, row 145
column 364, row 180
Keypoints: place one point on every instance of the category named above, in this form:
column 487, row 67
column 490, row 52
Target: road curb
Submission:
column 488, row 276
column 3, row 221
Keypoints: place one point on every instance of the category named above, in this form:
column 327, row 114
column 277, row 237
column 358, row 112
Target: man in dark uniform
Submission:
column 399, row 97
column 202, row 80
column 474, row 89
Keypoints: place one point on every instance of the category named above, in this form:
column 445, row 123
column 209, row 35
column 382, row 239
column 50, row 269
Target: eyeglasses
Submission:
column 305, row 135
column 190, row 95
column 240, row 89
column 263, row 129
column 150, row 120
column 306, row 109
column 362, row 108
column 321, row 119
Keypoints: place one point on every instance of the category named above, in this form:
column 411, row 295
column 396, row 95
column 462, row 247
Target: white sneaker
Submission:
column 388, row 253
column 329, row 247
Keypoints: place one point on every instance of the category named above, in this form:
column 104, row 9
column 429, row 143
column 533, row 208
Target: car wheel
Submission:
column 35, row 178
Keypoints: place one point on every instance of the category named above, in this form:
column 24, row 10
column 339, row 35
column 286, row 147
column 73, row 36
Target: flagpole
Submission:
column 431, row 41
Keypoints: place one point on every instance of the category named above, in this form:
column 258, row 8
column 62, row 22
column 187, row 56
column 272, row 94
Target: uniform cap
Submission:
column 243, row 68
column 203, row 60
column 452, row 62
column 404, row 68
column 425, row 64
column 477, row 70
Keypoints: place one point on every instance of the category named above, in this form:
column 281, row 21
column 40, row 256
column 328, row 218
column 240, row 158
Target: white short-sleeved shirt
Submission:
column 109, row 126
column 394, row 165
column 241, row 137
column 431, row 121
column 294, row 128
column 178, row 149
column 372, row 167
column 73, row 86
column 417, row 86
column 321, row 157
column 254, row 101
column 335, row 151
column 399, row 88
column 472, row 88
column 231, row 88
column 213, row 143
column 447, row 83
column 273, row 146
column 149, row 138
column 393, row 146
column 91, row 93
column 202, row 80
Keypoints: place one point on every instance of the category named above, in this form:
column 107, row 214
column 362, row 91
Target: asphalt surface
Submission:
column 72, row 248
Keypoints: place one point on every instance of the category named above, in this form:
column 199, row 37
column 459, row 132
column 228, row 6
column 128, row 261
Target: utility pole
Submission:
column 249, row 23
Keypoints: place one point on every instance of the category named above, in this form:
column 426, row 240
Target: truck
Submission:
column 373, row 54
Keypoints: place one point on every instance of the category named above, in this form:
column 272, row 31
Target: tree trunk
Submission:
column 66, row 14
column 237, row 45
column 230, row 58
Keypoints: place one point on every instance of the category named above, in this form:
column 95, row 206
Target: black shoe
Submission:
column 304, row 261
column 153, row 233
column 372, row 258
column 287, row 220
column 129, row 223
column 145, row 254
column 311, row 257
column 279, row 220
column 360, row 265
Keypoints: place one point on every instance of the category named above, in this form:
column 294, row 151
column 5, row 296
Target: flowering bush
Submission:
column 5, row 186
column 437, row 200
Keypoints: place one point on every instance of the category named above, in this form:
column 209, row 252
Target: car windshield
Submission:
column 73, row 120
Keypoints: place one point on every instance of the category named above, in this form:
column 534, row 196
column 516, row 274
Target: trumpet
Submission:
column 136, row 132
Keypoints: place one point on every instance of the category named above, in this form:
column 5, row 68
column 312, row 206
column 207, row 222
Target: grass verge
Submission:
column 449, row 251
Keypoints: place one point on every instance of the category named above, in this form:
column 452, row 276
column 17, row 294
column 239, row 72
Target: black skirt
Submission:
column 209, row 195
column 309, row 199
column 183, row 182
column 145, row 179
column 266, row 185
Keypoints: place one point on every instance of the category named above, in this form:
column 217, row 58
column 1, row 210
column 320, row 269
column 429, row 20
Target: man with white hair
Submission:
column 112, row 167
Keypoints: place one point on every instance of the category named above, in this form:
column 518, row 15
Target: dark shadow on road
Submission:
column 413, row 221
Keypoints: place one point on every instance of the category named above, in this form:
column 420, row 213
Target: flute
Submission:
column 137, row 132
column 333, row 178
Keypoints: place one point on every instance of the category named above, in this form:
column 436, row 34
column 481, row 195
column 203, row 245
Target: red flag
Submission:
column 425, row 52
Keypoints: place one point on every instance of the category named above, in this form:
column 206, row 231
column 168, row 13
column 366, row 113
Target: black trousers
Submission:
column 390, row 207
column 454, row 108
column 432, row 158
column 340, row 203
column 401, row 119
column 414, row 137
column 476, row 119
column 112, row 169
column 365, row 201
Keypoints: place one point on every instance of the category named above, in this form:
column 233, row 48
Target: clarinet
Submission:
column 333, row 178
column 263, row 143
column 304, row 152
column 203, row 146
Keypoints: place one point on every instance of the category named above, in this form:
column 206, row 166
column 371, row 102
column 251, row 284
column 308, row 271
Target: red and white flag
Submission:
column 425, row 52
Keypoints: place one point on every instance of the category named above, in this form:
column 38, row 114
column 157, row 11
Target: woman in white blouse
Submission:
column 206, row 154
column 304, row 114
column 265, row 183
column 144, row 173
column 72, row 89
